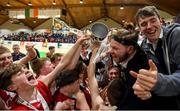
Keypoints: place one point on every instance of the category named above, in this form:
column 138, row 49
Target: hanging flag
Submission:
column 36, row 12
column 32, row 13
column 27, row 12
column 12, row 14
column 20, row 13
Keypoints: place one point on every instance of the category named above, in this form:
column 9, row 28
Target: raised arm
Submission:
column 64, row 62
column 93, row 85
column 31, row 54
column 76, row 55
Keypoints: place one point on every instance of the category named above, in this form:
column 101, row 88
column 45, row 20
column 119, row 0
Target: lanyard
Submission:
column 29, row 105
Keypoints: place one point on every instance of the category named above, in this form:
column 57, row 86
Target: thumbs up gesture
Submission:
column 146, row 79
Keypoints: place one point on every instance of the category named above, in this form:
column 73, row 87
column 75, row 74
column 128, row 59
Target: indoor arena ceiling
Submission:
column 80, row 14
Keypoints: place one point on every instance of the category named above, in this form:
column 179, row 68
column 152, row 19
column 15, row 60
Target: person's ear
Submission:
column 11, row 87
column 130, row 49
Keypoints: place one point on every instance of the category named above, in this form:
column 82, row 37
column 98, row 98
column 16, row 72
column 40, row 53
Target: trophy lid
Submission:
column 99, row 30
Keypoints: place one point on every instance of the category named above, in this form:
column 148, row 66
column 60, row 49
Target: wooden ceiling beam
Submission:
column 1, row 7
column 4, row 21
column 40, row 24
column 104, row 9
column 70, row 14
column 116, row 20
column 24, row 3
column 83, row 5
column 90, row 23
column 25, row 23
column 163, row 8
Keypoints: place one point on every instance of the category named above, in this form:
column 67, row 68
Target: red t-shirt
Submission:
column 46, row 94
column 60, row 97
column 7, row 98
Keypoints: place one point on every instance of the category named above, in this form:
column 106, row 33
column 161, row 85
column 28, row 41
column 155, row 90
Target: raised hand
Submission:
column 82, row 36
column 146, row 80
column 30, row 49
column 140, row 92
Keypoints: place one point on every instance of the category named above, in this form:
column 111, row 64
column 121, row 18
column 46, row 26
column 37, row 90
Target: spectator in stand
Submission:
column 51, row 51
column 17, row 55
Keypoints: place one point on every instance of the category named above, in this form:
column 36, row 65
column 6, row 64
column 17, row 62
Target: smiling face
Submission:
column 118, row 51
column 150, row 27
column 113, row 73
column 23, row 79
column 5, row 59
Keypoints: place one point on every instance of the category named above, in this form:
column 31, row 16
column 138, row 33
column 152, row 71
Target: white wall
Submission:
column 8, row 28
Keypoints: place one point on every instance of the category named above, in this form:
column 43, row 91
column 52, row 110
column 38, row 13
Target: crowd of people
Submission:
column 125, row 76
column 42, row 37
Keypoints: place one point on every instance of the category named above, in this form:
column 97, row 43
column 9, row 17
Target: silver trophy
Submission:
column 99, row 32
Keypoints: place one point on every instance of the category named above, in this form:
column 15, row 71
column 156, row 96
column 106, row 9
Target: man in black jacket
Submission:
column 127, row 54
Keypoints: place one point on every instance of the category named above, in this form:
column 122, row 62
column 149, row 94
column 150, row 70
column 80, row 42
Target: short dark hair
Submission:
column 55, row 57
column 7, row 73
column 67, row 77
column 129, row 26
column 177, row 18
column 126, row 38
column 116, row 91
column 147, row 11
column 37, row 64
column 82, row 69
column 51, row 47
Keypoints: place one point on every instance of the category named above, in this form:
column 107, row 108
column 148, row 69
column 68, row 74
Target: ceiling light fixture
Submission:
column 30, row 4
column 54, row 2
column 34, row 21
column 11, row 21
column 121, row 7
column 8, row 4
column 81, row 1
